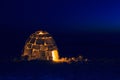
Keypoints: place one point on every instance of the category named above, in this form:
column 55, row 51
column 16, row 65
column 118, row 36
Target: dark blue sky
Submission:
column 73, row 15
column 90, row 28
column 62, row 18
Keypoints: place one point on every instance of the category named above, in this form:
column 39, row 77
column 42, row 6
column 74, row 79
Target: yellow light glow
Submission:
column 41, row 32
column 41, row 46
column 55, row 56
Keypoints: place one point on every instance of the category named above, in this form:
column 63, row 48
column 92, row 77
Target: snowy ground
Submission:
column 39, row 71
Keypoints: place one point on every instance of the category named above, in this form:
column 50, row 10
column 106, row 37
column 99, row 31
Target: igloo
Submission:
column 40, row 46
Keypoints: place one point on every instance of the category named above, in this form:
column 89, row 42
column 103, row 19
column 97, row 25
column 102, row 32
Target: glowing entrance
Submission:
column 55, row 55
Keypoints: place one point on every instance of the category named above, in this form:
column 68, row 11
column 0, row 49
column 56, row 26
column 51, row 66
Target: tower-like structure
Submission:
column 40, row 46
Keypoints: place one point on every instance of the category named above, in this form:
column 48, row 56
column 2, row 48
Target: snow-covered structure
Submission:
column 40, row 46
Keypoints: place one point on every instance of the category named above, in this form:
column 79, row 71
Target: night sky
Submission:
column 90, row 28
column 87, row 27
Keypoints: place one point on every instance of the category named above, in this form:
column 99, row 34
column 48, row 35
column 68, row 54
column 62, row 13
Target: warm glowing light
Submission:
column 41, row 46
column 41, row 32
column 55, row 58
column 65, row 59
column 55, row 55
